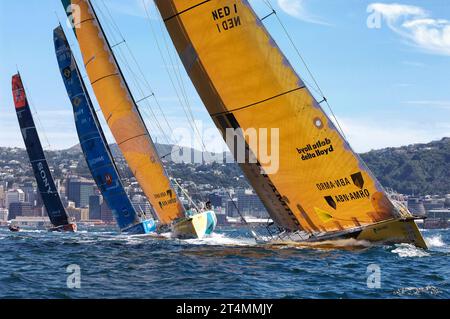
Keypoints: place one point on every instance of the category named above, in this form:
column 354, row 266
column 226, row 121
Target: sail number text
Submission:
column 226, row 18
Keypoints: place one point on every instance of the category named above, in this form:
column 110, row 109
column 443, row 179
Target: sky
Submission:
column 384, row 66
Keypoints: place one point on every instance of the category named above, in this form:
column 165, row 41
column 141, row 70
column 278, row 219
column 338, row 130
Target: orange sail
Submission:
column 121, row 112
column 320, row 185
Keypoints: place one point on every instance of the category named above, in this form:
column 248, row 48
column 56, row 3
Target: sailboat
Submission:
column 46, row 185
column 321, row 190
column 127, row 125
column 94, row 145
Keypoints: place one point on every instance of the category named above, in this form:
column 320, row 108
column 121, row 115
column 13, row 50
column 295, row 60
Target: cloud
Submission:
column 416, row 25
column 297, row 9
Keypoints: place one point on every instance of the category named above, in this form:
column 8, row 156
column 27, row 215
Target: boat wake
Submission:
column 217, row 239
column 435, row 241
column 417, row 291
column 409, row 250
column 345, row 244
column 32, row 231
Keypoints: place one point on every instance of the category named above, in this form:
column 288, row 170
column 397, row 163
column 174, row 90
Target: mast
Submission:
column 46, row 185
column 92, row 139
column 122, row 114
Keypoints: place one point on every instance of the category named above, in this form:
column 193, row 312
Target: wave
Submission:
column 409, row 250
column 341, row 244
column 217, row 239
column 435, row 241
column 35, row 231
column 417, row 291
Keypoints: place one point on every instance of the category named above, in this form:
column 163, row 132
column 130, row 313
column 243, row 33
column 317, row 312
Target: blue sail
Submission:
column 46, row 185
column 94, row 145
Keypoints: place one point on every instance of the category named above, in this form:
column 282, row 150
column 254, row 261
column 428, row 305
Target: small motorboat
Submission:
column 13, row 228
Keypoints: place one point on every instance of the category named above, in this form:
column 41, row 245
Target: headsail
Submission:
column 46, row 185
column 92, row 140
column 121, row 112
column 246, row 82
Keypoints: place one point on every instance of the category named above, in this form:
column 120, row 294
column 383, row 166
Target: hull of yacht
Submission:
column 196, row 226
column 394, row 231
column 143, row 228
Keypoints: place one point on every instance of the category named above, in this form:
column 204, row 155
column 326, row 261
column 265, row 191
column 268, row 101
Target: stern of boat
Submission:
column 71, row 228
column 196, row 226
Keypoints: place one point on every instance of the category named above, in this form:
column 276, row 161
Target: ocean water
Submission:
column 34, row 264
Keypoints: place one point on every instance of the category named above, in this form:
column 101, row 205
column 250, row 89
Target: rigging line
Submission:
column 185, row 193
column 150, row 109
column 291, row 40
column 182, row 86
column 114, row 24
column 179, row 77
column 116, row 60
column 180, row 99
column 309, row 85
column 36, row 114
column 252, row 232
column 176, row 67
column 134, row 77
column 144, row 98
column 71, row 45
column 168, row 140
column 95, row 112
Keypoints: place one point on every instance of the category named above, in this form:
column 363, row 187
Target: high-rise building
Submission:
column 433, row 203
column 84, row 214
column 143, row 208
column 215, row 199
column 79, row 190
column 74, row 213
column 249, row 204
column 231, row 209
column 95, row 212
column 415, row 206
column 14, row 196
column 20, row 209
column 447, row 201
column 106, row 213
column 3, row 214
column 30, row 192
column 2, row 196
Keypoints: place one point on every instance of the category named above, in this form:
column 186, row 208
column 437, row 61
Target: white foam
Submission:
column 435, row 241
column 216, row 239
column 409, row 250
column 32, row 231
column 417, row 291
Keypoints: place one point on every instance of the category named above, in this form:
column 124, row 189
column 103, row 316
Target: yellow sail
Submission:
column 121, row 112
column 246, row 82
